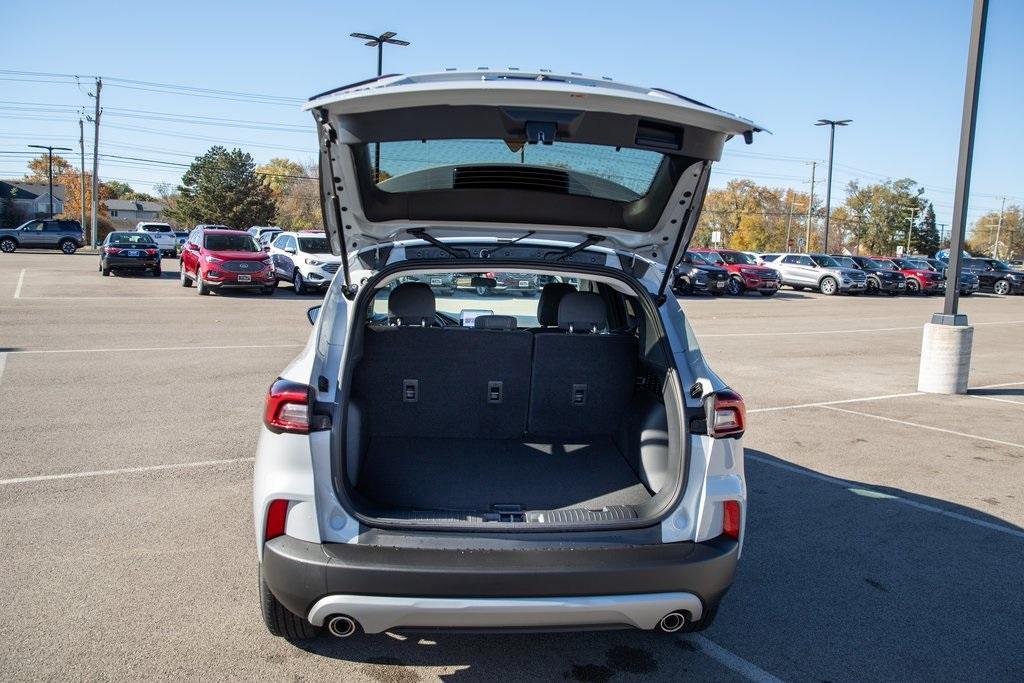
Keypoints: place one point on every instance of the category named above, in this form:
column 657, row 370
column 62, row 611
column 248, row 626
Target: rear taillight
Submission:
column 287, row 407
column 728, row 415
column 151, row 252
column 277, row 516
column 111, row 250
column 730, row 518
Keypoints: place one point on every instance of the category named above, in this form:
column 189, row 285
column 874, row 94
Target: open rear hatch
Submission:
column 505, row 153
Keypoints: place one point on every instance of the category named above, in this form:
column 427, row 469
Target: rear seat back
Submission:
column 582, row 376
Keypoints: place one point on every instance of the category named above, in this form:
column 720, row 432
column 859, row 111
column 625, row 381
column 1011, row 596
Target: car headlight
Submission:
column 313, row 262
column 214, row 259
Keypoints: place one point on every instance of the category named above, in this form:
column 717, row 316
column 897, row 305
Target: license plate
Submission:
column 524, row 283
column 132, row 253
column 720, row 285
column 435, row 281
column 245, row 278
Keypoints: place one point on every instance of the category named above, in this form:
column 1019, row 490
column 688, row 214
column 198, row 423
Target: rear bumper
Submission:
column 126, row 263
column 499, row 588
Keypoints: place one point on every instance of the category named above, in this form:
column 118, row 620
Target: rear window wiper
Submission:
column 454, row 252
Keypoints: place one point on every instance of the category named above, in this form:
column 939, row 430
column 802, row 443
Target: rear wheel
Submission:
column 736, row 286
column 68, row 246
column 157, row 272
column 201, row 287
column 828, row 286
column 482, row 291
column 8, row 245
column 1001, row 287
column 279, row 621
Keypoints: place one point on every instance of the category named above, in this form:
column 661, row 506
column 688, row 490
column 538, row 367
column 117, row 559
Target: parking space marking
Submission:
column 928, row 427
column 994, row 398
column 3, row 364
column 856, row 331
column 730, row 660
column 123, row 470
column 996, row 386
column 850, row 486
column 825, row 404
column 160, row 348
column 17, row 288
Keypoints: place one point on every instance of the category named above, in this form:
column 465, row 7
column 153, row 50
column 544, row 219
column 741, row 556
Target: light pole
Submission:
column 378, row 42
column 49, row 151
column 828, row 182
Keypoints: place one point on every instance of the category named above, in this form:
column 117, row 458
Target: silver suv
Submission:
column 818, row 271
column 61, row 234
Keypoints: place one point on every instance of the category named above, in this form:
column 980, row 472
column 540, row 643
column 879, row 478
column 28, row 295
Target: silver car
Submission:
column 818, row 271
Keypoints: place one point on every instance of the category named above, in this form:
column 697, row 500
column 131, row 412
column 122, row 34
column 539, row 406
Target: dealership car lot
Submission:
column 885, row 536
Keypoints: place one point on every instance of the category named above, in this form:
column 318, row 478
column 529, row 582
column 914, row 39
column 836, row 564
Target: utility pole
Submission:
column 789, row 222
column 810, row 203
column 95, row 163
column 81, row 174
column 828, row 183
column 913, row 210
column 49, row 172
column 999, row 229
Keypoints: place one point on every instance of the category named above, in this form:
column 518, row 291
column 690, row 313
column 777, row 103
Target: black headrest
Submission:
column 411, row 303
column 495, row 322
column 582, row 312
column 550, row 297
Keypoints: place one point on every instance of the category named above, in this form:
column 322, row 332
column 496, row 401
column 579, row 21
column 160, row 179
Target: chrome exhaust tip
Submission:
column 672, row 622
column 341, row 626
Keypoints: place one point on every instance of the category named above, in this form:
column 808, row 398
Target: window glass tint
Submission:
column 737, row 258
column 221, row 242
column 314, row 245
column 791, row 259
column 130, row 239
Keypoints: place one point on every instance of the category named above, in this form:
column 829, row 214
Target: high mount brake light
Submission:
column 728, row 416
column 287, row 408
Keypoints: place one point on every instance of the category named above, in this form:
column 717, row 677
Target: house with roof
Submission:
column 129, row 211
column 32, row 199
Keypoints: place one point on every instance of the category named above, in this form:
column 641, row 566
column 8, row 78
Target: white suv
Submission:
column 555, row 463
column 163, row 234
column 304, row 259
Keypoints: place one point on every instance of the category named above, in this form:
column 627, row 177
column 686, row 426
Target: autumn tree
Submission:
column 880, row 214
column 66, row 176
column 987, row 231
column 752, row 217
column 223, row 187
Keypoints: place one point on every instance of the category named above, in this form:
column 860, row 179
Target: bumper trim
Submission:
column 376, row 614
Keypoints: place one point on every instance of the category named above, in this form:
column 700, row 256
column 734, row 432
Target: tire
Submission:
column 736, row 286
column 873, row 288
column 298, row 283
column 201, row 287
column 157, row 272
column 913, row 286
column 683, row 287
column 828, row 286
column 68, row 247
column 1001, row 287
column 105, row 271
column 482, row 291
column 8, row 245
column 269, row 290
column 279, row 621
column 767, row 293
column 186, row 281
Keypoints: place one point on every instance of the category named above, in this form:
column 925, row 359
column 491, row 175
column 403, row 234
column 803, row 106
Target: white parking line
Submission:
column 824, row 404
column 3, row 364
column 731, row 661
column 850, row 486
column 865, row 330
column 996, row 398
column 160, row 348
column 996, row 386
column 928, row 427
column 21, row 279
column 124, row 470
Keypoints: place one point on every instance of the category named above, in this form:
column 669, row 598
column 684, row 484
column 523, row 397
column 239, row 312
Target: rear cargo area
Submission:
column 484, row 474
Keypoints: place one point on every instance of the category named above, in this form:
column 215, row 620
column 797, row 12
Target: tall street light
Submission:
column 49, row 151
column 828, row 183
column 378, row 42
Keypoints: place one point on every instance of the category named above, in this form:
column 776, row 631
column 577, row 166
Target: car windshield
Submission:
column 130, row 239
column 157, row 228
column 920, row 265
column 845, row 261
column 220, row 242
column 737, row 258
column 885, row 265
column 698, row 259
column 605, row 172
column 824, row 261
column 314, row 245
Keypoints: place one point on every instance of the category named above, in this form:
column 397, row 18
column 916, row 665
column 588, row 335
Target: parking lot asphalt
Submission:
column 885, row 536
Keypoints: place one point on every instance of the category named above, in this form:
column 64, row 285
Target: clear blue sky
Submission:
column 896, row 67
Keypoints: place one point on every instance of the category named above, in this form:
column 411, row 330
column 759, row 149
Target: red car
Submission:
column 744, row 273
column 217, row 259
column 921, row 279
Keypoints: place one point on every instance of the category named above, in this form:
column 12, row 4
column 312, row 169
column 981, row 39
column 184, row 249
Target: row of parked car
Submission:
column 726, row 271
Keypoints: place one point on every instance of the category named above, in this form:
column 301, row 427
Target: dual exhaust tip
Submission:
column 341, row 626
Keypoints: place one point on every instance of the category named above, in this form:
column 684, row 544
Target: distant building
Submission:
column 33, row 199
column 127, row 211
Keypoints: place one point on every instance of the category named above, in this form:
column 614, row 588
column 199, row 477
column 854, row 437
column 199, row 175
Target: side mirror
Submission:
column 312, row 314
column 290, row 250
column 192, row 246
column 266, row 248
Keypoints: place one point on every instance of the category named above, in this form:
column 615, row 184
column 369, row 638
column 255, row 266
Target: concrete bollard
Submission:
column 945, row 359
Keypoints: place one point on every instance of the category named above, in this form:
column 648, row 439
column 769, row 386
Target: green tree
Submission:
column 987, row 231
column 879, row 214
column 223, row 187
column 11, row 215
column 925, row 239
column 118, row 190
